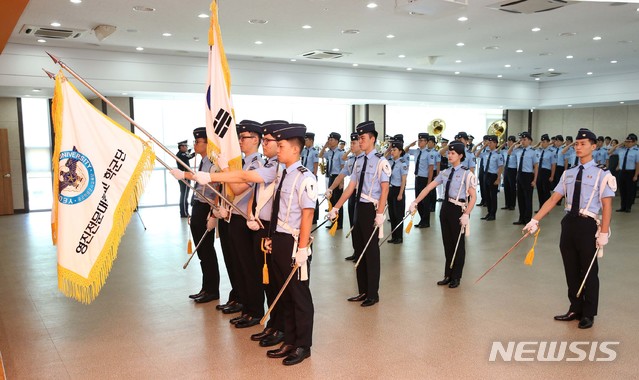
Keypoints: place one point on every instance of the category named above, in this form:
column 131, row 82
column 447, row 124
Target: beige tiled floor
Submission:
column 143, row 326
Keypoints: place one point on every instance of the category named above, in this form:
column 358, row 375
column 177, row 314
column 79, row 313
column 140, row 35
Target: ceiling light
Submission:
column 167, row 34
column 613, row 61
column 589, row 73
column 537, row 79
column 335, row 49
column 355, row 64
column 456, row 72
column 203, row 15
column 76, row 1
column 371, row 5
column 551, row 69
column 293, row 60
column 569, row 57
column 42, row 40
column 507, row 65
column 55, row 24
column 458, row 61
column 460, row 44
column 535, row 29
column 255, row 21
column 519, row 51
column 258, row 42
column 597, row 38
column 139, row 48
column 37, row 90
column 462, row 18
column 621, row 102
column 125, row 93
column 142, row 8
column 499, row 76
column 409, row 69
column 401, row 56
column 569, row 105
column 390, row 36
column 306, row 27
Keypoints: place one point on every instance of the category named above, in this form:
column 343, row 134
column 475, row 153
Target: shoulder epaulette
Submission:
column 602, row 167
column 464, row 167
column 302, row 168
column 255, row 158
column 379, row 155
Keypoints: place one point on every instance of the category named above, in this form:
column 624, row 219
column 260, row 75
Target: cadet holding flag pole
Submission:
column 459, row 199
column 589, row 189
column 370, row 177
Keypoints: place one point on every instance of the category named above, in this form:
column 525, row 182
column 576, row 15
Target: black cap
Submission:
column 471, row 137
column 600, row 138
column 268, row 122
column 199, row 133
column 462, row 135
column 525, row 135
column 486, row 137
column 422, row 136
column 512, row 138
column 397, row 144
column 431, row 138
column 290, row 131
column 559, row 138
column 334, row 135
column 458, row 147
column 249, row 126
column 444, row 140
column 586, row 134
column 569, row 138
column 545, row 137
column 354, row 136
column 399, row 137
column 269, row 127
column 342, row 142
column 365, row 127
column 309, row 135
column 492, row 138
column 631, row 137
column 182, row 143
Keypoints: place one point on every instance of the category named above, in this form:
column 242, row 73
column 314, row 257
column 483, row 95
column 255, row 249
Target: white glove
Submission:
column 602, row 239
column 177, row 173
column 302, row 255
column 531, row 227
column 328, row 194
column 379, row 219
column 253, row 225
column 413, row 207
column 332, row 215
column 202, row 178
column 210, row 223
column 464, row 219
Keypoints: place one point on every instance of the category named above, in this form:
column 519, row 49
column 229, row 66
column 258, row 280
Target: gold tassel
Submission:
column 330, row 206
column 410, row 224
column 531, row 254
column 334, row 226
column 265, row 274
column 189, row 247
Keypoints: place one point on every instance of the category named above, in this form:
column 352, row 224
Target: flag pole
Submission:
column 128, row 118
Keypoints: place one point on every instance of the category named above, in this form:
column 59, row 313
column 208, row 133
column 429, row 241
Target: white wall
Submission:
column 615, row 121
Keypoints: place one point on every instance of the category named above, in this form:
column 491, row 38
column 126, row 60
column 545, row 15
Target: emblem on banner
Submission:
column 77, row 177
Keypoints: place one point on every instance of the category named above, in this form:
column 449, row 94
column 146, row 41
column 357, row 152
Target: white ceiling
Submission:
column 565, row 31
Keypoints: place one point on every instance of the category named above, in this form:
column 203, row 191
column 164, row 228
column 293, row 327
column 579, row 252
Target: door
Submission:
column 6, row 195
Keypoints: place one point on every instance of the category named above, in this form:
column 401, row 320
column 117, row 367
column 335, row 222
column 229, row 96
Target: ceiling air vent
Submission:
column 549, row 74
column 45, row 32
column 529, row 6
column 322, row 55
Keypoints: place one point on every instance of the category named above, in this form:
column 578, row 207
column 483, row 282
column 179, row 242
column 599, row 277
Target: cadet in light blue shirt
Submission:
column 570, row 156
column 526, row 175
column 600, row 155
column 545, row 158
column 396, row 194
column 422, row 166
column 310, row 155
column 628, row 171
column 334, row 165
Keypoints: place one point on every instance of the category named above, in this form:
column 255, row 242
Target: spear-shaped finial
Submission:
column 53, row 57
column 49, row 74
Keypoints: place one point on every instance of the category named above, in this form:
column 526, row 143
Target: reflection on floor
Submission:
column 143, row 325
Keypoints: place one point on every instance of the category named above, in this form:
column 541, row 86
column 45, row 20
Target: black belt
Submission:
column 333, row 175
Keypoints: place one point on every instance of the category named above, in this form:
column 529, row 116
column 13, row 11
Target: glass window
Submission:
column 37, row 151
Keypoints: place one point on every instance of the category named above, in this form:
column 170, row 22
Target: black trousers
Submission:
column 525, row 196
column 337, row 194
column 276, row 318
column 296, row 302
column 396, row 210
column 449, row 219
column 351, row 219
column 577, row 245
column 544, row 186
column 184, row 198
column 627, row 189
column 423, row 207
column 490, row 192
column 510, row 187
column 229, row 260
column 482, row 186
column 368, row 271
column 206, row 251
column 559, row 171
column 247, row 272
column 432, row 197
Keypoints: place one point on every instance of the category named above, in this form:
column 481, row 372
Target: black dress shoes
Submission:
column 513, row 209
column 621, row 210
column 569, row 316
column 281, row 352
column 423, row 225
column 350, row 258
column 454, row 283
column 235, row 308
column 261, row 335
column 225, row 305
column 586, row 322
column 505, row 208
column 276, row 338
column 207, row 297
column 481, row 204
column 358, row 298
column 297, row 356
column 445, row 281
column 399, row 241
column 484, row 217
column 369, row 302
column 391, row 241
column 196, row 295
column 247, row 322
column 239, row 319
column 489, row 217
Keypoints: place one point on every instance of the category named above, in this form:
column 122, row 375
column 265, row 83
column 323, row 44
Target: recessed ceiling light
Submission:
column 355, row 64
column 589, row 73
column 37, row 90
column 167, row 34
column 460, row 44
column 293, row 60
column 390, row 36
column 142, row 8
column 551, row 69
column 506, row 65
column 597, row 38
column 401, row 56
column 42, row 40
column 535, row 29
column 203, row 15
column 621, row 102
column 613, row 61
column 537, row 79
column 458, row 61
column 258, row 42
column 139, row 48
column 462, row 18
column 569, row 57
column 409, row 69
column 350, row 31
column 519, row 51
column 256, row 21
column 569, row 105
column 55, row 24
column 335, row 49
column 76, row 1
column 371, row 5
column 125, row 93
column 306, row 27
column 456, row 72
column 499, row 76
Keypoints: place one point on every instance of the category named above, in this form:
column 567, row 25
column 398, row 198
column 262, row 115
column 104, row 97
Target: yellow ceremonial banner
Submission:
column 220, row 119
column 99, row 171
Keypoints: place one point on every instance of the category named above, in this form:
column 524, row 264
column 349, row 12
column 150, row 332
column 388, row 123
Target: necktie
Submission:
column 508, row 160
column 419, row 156
column 276, row 206
column 521, row 161
column 360, row 183
column 574, row 209
column 330, row 164
column 625, row 159
column 450, row 179
column 541, row 159
column 243, row 163
column 308, row 151
column 487, row 167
